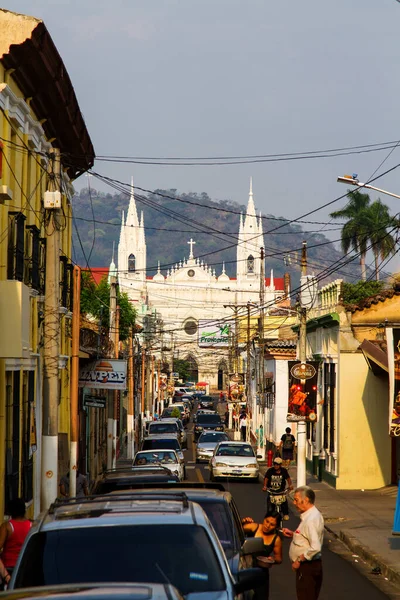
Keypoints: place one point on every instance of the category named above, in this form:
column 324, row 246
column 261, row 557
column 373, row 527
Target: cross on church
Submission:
column 191, row 243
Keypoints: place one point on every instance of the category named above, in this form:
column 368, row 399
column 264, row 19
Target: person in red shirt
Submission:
column 13, row 534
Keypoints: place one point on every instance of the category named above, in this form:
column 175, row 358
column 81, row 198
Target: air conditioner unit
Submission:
column 5, row 194
column 52, row 200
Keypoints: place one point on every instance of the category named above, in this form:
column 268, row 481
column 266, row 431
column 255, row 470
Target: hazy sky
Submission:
column 235, row 77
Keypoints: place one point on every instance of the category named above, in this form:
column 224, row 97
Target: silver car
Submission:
column 206, row 444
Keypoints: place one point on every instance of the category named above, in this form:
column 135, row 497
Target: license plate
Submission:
column 237, row 472
column 277, row 499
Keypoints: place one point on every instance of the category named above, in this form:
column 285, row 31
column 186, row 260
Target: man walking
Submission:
column 286, row 446
column 243, row 426
column 305, row 549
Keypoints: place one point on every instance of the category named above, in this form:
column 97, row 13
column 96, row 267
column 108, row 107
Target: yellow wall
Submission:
column 364, row 443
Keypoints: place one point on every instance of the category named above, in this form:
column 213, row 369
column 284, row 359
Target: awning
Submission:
column 375, row 356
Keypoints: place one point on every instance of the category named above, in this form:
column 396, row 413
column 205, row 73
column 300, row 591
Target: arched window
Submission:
column 250, row 264
column 131, row 263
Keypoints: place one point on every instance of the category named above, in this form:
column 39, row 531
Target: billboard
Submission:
column 104, row 374
column 302, row 401
column 215, row 334
column 393, row 345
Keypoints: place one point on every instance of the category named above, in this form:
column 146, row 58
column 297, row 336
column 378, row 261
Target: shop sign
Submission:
column 105, row 374
column 94, row 401
column 303, row 371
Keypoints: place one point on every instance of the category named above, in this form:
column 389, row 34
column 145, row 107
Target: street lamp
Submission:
column 353, row 180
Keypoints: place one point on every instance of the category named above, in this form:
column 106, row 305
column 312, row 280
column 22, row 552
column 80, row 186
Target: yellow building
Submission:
column 349, row 446
column 38, row 113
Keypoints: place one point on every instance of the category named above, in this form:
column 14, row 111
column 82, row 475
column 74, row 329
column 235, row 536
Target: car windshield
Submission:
column 106, row 487
column 235, row 450
column 160, row 443
column 209, row 419
column 151, row 458
column 163, row 428
column 213, row 437
column 133, row 553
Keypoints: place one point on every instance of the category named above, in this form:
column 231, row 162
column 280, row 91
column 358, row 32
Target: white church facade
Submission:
column 191, row 294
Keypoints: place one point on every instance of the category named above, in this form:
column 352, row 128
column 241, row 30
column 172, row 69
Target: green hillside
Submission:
column 170, row 224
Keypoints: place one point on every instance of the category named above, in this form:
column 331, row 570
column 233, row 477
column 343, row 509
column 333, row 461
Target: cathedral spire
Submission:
column 251, row 209
column 132, row 217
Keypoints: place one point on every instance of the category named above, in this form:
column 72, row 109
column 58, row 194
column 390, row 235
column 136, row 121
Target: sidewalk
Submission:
column 362, row 520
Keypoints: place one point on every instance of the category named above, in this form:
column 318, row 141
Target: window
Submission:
column 131, row 263
column 329, row 406
column 32, row 270
column 190, row 327
column 250, row 264
column 16, row 246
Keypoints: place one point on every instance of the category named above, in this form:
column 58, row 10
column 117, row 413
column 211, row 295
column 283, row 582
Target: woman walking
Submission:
column 12, row 535
column 272, row 553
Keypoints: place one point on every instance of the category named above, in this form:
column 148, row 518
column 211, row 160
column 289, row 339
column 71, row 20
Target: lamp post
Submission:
column 352, row 180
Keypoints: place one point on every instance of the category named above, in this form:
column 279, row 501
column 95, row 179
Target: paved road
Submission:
column 342, row 580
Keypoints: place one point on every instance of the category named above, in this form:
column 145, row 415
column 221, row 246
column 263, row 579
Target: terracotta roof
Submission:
column 291, row 343
column 97, row 273
column 368, row 302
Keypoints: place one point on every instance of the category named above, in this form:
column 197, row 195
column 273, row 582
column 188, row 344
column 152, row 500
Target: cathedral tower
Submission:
column 250, row 241
column 132, row 250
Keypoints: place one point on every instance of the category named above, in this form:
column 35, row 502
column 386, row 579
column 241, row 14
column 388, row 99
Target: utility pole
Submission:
column 130, row 451
column 51, row 349
column 159, row 389
column 143, row 383
column 73, row 453
column 152, row 384
column 248, row 374
column 301, row 426
column 111, row 421
column 116, row 392
column 260, row 423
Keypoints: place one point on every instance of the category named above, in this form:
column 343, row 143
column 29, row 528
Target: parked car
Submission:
column 206, row 402
column 163, row 442
column 163, row 426
column 207, row 442
column 150, row 536
column 96, row 591
column 166, row 458
column 206, row 422
column 183, row 390
column 234, row 459
column 124, row 479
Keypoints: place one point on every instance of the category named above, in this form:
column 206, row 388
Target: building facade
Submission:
column 36, row 116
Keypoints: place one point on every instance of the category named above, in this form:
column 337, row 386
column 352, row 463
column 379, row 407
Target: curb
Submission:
column 374, row 560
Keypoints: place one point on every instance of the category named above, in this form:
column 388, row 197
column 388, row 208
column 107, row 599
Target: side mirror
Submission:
column 248, row 579
column 252, row 546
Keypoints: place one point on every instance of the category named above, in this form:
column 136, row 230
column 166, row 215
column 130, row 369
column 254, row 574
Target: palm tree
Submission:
column 355, row 233
column 382, row 241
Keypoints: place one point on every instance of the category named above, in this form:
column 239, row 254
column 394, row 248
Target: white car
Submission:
column 164, row 458
column 234, row 459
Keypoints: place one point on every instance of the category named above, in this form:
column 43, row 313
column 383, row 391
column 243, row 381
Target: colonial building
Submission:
column 38, row 113
column 191, row 297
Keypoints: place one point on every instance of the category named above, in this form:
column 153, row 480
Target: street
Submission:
column 341, row 579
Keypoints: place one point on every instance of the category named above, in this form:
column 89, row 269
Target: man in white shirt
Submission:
column 243, row 426
column 305, row 549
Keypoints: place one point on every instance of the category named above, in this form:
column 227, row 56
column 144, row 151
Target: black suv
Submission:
column 206, row 402
column 205, row 422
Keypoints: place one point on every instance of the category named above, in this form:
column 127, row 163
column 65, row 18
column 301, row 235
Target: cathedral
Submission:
column 194, row 306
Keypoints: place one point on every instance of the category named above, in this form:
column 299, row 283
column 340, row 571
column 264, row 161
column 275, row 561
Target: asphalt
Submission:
column 347, row 566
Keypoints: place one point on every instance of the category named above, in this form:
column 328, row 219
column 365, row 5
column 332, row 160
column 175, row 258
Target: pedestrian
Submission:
column 81, row 485
column 272, row 552
column 306, row 547
column 275, row 479
column 243, row 426
column 12, row 536
column 226, row 418
column 286, row 446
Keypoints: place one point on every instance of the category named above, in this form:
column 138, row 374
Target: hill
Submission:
column 213, row 225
